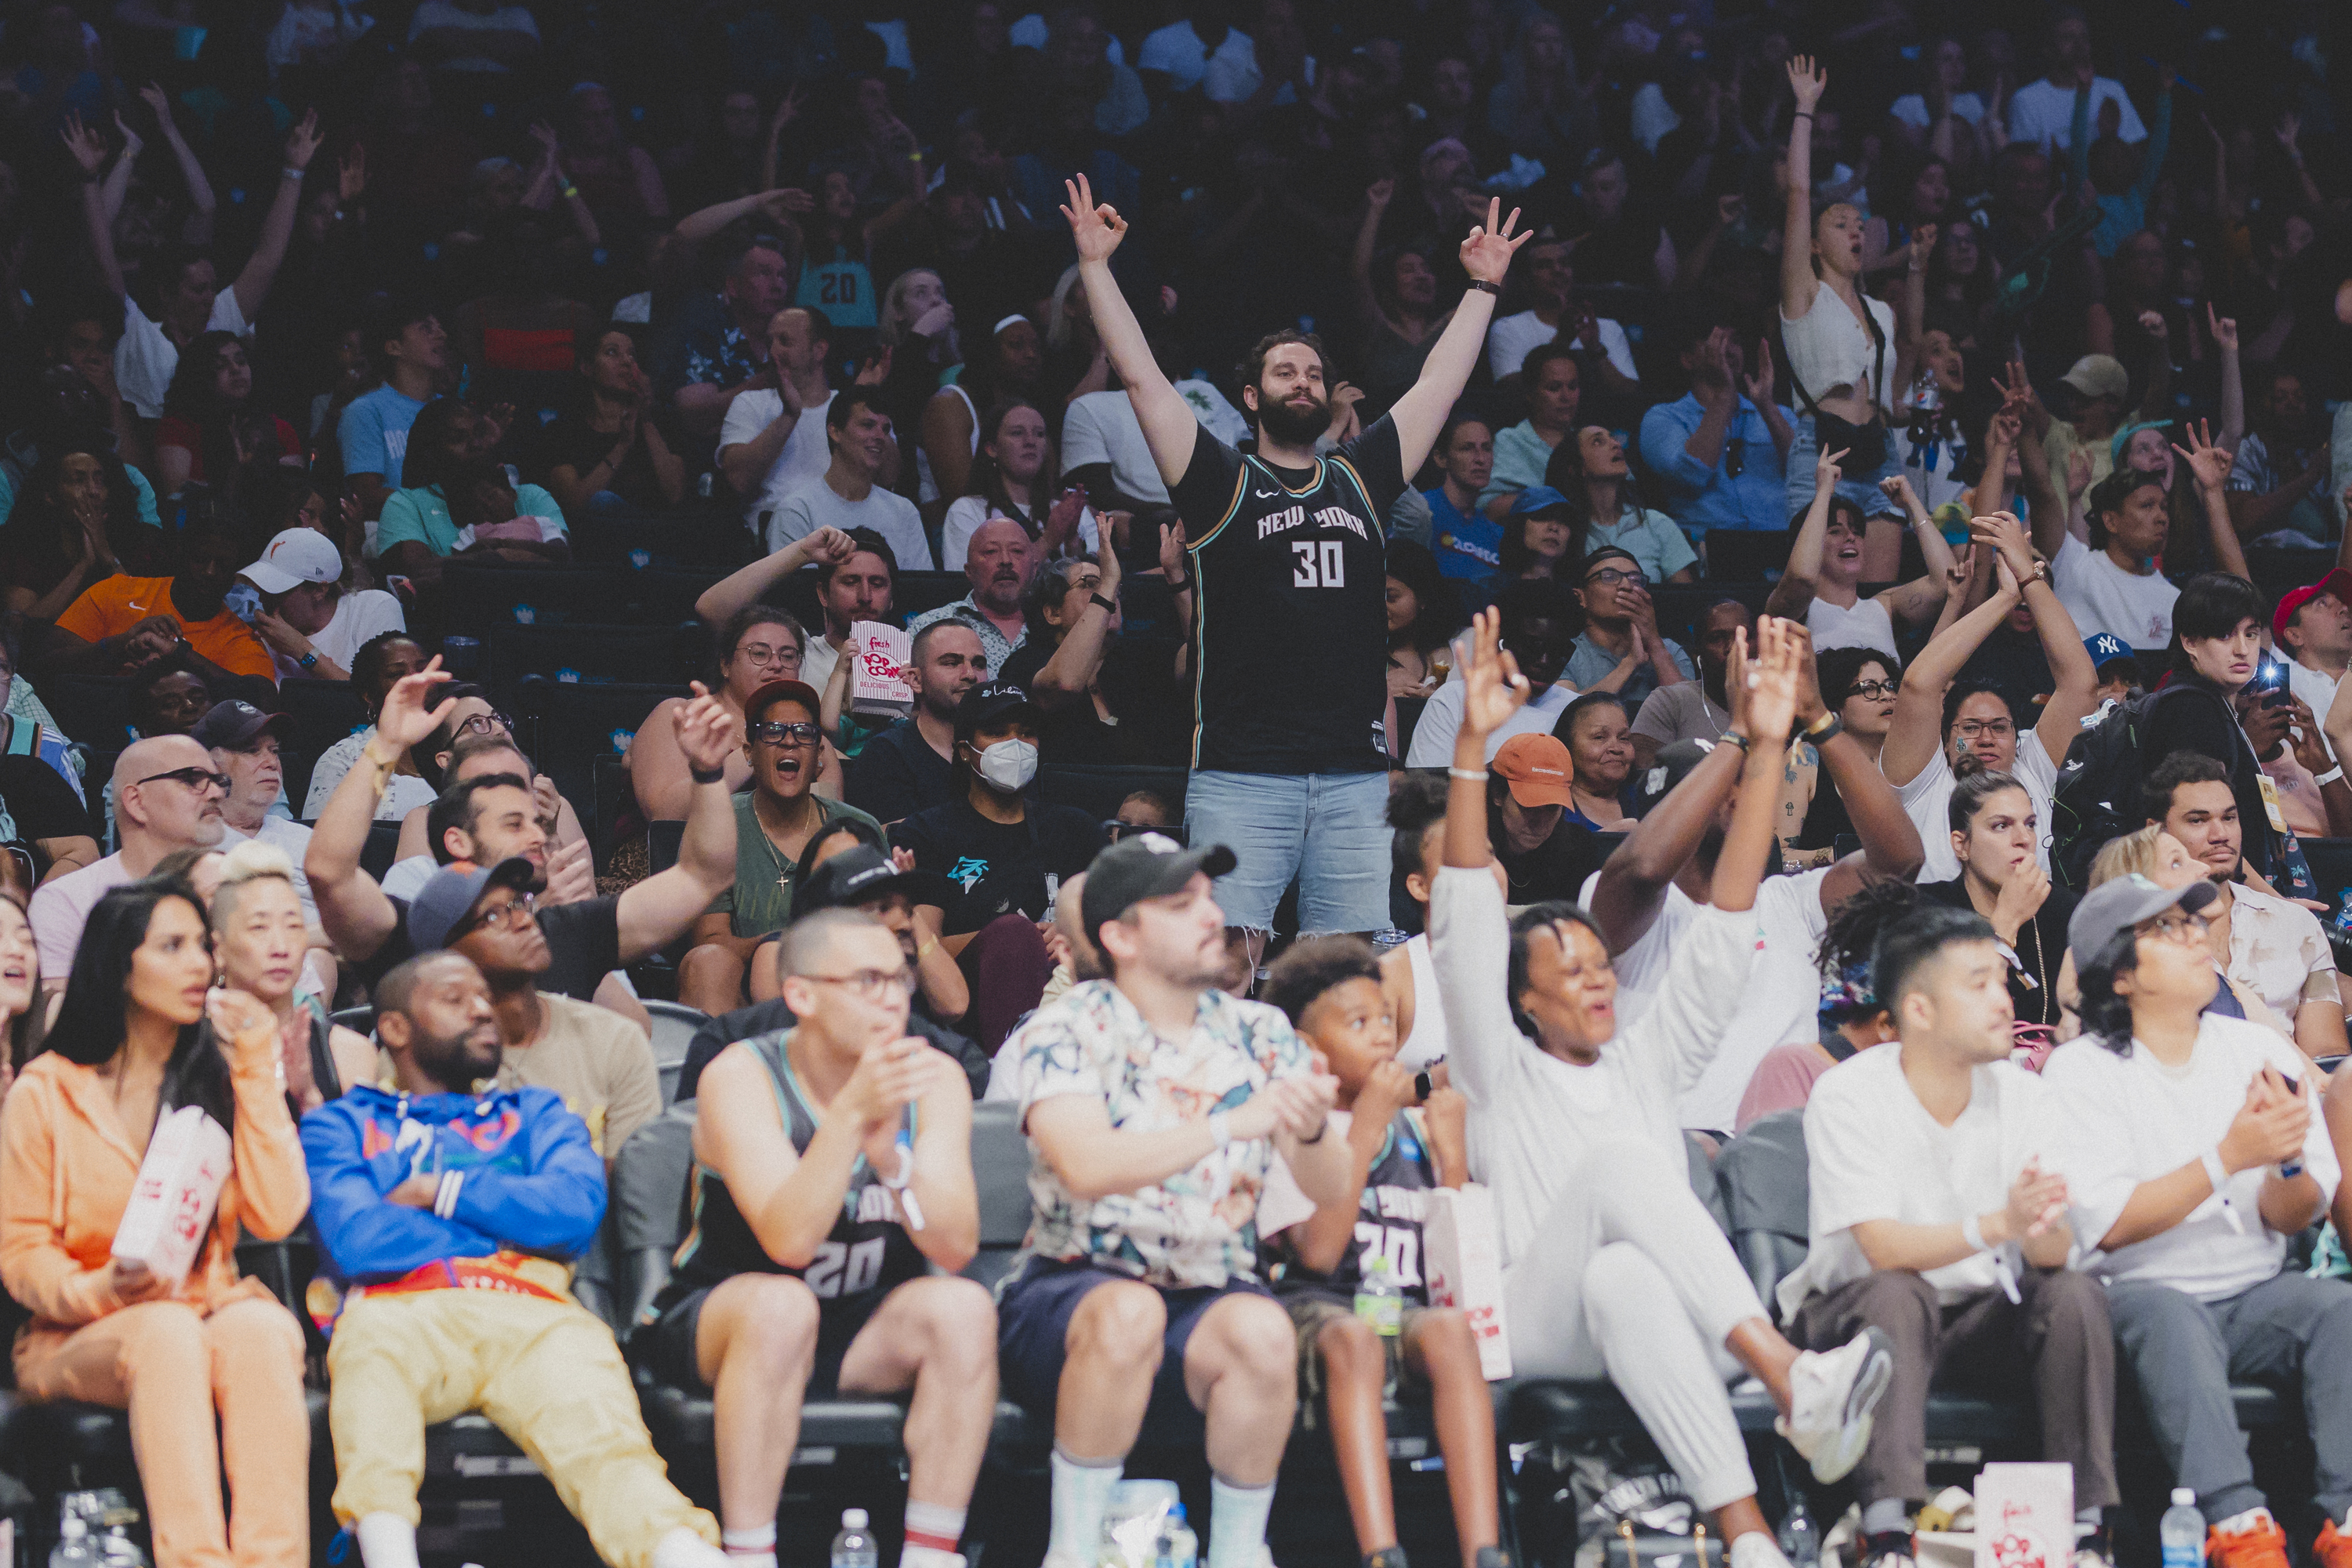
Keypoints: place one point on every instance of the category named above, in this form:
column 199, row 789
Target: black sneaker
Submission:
column 1889, row 1549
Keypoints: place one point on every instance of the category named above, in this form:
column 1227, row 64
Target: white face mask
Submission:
column 1008, row 765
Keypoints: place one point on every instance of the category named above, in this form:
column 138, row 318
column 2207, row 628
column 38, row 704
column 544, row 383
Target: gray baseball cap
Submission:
column 2113, row 907
column 445, row 901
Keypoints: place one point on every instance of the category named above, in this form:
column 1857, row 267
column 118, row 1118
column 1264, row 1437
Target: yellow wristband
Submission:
column 924, row 951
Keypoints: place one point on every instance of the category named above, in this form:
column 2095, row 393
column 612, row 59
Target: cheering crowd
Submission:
column 1855, row 510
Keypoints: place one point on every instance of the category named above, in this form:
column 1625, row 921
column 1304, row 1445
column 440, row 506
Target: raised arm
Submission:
column 1793, row 595
column 87, row 149
column 746, row 583
column 1169, row 428
column 1918, row 729
column 1485, row 257
column 1798, row 284
column 1890, row 849
column 252, row 285
column 203, row 204
column 1924, row 597
column 2062, row 640
column 353, row 908
column 2210, row 465
column 2224, row 330
column 661, row 909
column 1359, row 256
column 1068, row 677
column 1770, row 683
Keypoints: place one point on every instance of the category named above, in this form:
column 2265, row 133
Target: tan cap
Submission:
column 2099, row 376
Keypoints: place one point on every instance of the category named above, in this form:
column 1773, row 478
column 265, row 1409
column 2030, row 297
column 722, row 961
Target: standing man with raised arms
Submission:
column 1288, row 581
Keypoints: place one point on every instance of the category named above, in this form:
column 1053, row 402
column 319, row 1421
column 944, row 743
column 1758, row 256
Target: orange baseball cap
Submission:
column 1538, row 768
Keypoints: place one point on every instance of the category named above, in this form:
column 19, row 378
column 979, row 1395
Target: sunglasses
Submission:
column 776, row 733
column 195, row 778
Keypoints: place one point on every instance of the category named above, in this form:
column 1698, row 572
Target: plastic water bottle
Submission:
column 2182, row 1531
column 854, row 1547
column 1380, row 1302
column 1800, row 1538
column 117, row 1550
column 1179, row 1547
column 73, row 1549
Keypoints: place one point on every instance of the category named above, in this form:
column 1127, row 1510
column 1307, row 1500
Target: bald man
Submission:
column 167, row 796
column 997, row 564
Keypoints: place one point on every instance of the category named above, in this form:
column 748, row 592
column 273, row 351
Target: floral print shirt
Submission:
column 1198, row 1227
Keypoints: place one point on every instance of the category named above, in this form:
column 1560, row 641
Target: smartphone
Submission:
column 2291, row 1169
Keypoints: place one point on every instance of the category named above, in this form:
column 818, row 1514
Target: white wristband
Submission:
column 1973, row 1234
column 2330, row 776
column 1220, row 1127
column 2215, row 1172
column 1468, row 775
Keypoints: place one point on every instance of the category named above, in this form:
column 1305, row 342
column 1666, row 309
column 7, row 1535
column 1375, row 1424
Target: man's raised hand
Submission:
column 1097, row 230
column 1485, row 255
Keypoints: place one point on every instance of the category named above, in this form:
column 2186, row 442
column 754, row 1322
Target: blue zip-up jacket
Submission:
column 517, row 1171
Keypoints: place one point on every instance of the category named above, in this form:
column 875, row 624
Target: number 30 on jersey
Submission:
column 1318, row 564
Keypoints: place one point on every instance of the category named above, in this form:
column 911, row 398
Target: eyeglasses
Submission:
column 869, row 984
column 486, row 724
column 1877, row 688
column 195, row 778
column 514, row 916
column 1610, row 576
column 2177, row 926
column 776, row 733
column 763, row 656
column 1970, row 729
column 1114, row 830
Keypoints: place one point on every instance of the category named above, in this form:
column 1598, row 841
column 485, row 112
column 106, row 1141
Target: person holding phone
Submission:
column 2194, row 1153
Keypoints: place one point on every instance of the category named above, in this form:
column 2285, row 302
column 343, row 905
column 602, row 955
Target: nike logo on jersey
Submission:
column 1261, row 495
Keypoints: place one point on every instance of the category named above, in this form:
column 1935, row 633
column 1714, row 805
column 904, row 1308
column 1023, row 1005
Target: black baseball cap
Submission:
column 235, row 726
column 861, row 873
column 1142, row 866
column 990, row 703
column 445, row 901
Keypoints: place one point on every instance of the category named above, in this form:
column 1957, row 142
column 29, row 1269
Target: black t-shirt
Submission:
column 2040, row 948
column 1555, row 869
column 896, row 773
column 1290, row 622
column 998, row 867
column 2192, row 715
column 583, row 944
column 1137, row 683
column 569, row 442
column 38, row 803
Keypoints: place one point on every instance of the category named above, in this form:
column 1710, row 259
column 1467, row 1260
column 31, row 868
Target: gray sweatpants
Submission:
column 1629, row 1277
column 2291, row 1332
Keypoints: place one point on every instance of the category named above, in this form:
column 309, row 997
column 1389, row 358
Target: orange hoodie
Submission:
column 67, row 1169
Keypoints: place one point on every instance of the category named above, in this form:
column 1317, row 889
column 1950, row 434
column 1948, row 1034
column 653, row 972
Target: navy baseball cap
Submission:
column 235, row 726
column 445, row 901
column 2106, row 648
column 1535, row 499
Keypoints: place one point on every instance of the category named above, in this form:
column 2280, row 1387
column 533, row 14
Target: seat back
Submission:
column 675, row 1025
column 1704, row 1182
column 1766, row 1194
column 1098, row 787
column 917, row 592
column 1000, row 1167
column 647, row 1205
column 92, row 708
column 578, row 652
column 471, row 595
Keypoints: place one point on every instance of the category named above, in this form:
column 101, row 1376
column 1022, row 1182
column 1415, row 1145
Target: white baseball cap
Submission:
column 296, row 556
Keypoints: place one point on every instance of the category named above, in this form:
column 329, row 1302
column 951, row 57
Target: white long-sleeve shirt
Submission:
column 1529, row 1110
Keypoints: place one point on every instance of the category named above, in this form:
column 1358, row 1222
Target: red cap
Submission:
column 2338, row 582
column 756, row 707
column 1538, row 768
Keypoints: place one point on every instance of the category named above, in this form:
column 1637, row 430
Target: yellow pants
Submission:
column 546, row 1373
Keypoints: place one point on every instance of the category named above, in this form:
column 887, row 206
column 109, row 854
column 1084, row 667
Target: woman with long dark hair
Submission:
column 141, row 1033
column 1425, row 611
column 1591, row 471
column 1014, row 475
column 211, row 432
column 20, row 983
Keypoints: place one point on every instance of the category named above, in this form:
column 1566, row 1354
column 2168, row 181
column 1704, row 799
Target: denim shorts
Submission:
column 1858, row 488
column 1330, row 830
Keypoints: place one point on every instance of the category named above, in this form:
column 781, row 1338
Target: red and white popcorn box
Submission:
column 1462, row 1254
column 2025, row 1516
column 879, row 656
column 171, row 1202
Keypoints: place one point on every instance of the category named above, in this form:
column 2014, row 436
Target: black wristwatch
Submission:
column 1422, row 1085
column 307, row 661
column 698, row 775
column 1105, row 604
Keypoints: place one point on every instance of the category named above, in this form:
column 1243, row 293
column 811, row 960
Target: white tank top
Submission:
column 1426, row 1044
column 1829, row 347
column 1867, row 625
column 928, row 485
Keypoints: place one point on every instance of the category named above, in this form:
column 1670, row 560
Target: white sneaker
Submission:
column 1832, row 1394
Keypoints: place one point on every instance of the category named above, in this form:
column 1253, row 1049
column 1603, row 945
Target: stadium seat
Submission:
column 919, row 592
column 570, row 726
column 471, row 596
column 92, row 708
column 661, row 595
column 324, row 711
column 1098, row 788
column 382, row 848
column 674, row 1026
column 583, row 652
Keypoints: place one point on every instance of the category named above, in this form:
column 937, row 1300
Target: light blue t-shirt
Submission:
column 374, row 433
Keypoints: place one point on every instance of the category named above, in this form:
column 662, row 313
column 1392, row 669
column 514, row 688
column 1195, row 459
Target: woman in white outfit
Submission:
column 1612, row 1266
column 1823, row 586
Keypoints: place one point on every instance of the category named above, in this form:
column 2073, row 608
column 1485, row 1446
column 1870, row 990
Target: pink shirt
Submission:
column 1783, row 1080
column 60, row 908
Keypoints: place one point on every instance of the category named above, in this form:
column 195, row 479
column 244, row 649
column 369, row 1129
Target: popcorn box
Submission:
column 877, row 682
column 2025, row 1516
column 1462, row 1254
column 172, row 1202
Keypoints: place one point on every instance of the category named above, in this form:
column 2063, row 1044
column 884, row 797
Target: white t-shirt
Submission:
column 1509, row 338
column 1874, row 1153
column 1867, row 625
column 1912, row 109
column 803, row 461
column 1441, row 720
column 1101, row 427
column 2104, row 597
column 2316, row 688
column 1233, row 76
column 818, row 660
column 2042, row 114
column 287, row 835
column 1929, row 799
column 1427, row 1042
column 1178, row 51
column 893, row 516
column 966, row 513
column 145, row 359
column 2131, row 1120
column 1776, row 1006
column 60, row 908
column 402, row 793
column 370, row 613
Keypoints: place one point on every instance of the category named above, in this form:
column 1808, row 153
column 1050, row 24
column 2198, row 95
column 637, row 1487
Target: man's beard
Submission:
column 1290, row 426
column 452, row 1062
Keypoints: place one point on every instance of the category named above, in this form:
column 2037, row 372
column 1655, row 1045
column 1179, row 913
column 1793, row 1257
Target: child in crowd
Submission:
column 1405, row 1138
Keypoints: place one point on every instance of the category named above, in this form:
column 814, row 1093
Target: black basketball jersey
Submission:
column 1290, row 620
column 1388, row 1221
column 867, row 1252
